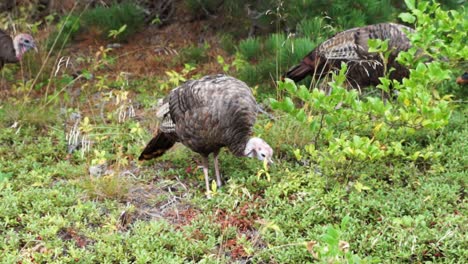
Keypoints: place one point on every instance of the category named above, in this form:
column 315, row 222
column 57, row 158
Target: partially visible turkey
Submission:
column 350, row 46
column 205, row 115
column 12, row 50
column 463, row 79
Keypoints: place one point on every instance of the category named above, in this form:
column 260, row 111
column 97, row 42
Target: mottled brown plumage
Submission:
column 208, row 114
column 7, row 50
column 350, row 46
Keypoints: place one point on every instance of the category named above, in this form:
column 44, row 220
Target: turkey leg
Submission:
column 216, row 167
column 205, row 171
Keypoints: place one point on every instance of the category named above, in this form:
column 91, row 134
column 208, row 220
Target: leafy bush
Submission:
column 115, row 17
column 370, row 130
column 443, row 39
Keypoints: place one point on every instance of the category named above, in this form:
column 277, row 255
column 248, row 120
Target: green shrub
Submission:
column 250, row 48
column 274, row 43
column 194, row 54
column 315, row 28
column 227, row 43
column 248, row 74
column 115, row 17
column 344, row 14
column 66, row 29
column 269, row 61
column 295, row 49
column 370, row 130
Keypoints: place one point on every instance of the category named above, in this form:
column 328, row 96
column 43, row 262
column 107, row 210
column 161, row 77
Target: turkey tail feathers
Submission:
column 157, row 146
column 299, row 72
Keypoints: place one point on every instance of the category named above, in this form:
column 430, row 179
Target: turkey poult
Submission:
column 350, row 46
column 208, row 114
column 12, row 50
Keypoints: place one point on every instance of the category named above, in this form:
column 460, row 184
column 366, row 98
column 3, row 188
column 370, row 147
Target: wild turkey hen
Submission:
column 350, row 46
column 463, row 80
column 205, row 115
column 12, row 50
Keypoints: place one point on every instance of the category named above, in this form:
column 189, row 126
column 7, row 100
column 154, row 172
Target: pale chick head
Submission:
column 22, row 43
column 258, row 148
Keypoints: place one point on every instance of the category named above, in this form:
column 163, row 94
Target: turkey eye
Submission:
column 263, row 155
column 26, row 41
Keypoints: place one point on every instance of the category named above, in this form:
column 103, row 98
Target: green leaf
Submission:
column 407, row 17
column 314, row 126
column 301, row 116
column 289, row 86
column 410, row 4
column 288, row 105
column 275, row 104
column 304, row 93
column 297, row 154
column 361, row 187
column 114, row 33
column 5, row 176
column 214, row 187
column 373, row 45
column 344, row 222
column 333, row 234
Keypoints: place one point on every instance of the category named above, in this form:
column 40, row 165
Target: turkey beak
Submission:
column 270, row 161
column 31, row 45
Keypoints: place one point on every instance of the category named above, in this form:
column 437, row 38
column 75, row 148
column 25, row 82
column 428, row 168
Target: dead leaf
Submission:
column 343, row 246
column 310, row 247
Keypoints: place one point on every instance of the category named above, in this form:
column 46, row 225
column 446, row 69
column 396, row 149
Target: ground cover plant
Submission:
column 357, row 178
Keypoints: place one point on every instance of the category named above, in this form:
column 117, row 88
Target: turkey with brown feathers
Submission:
column 12, row 50
column 206, row 115
column 351, row 47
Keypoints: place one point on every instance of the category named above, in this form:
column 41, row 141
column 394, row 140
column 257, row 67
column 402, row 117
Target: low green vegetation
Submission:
column 356, row 179
column 114, row 17
column 67, row 28
column 117, row 21
column 194, row 54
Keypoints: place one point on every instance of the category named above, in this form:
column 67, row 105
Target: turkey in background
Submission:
column 12, row 50
column 350, row 46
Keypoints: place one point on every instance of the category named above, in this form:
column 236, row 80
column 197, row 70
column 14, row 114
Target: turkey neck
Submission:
column 238, row 148
column 17, row 48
